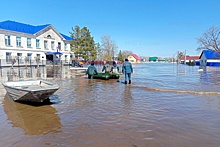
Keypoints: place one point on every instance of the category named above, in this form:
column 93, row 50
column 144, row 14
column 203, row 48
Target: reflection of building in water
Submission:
column 34, row 120
column 16, row 73
column 12, row 74
column 210, row 75
column 58, row 72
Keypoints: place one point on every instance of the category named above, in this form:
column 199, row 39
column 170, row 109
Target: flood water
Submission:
column 167, row 105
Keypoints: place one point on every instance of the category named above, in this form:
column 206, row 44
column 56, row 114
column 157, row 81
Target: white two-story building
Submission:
column 28, row 45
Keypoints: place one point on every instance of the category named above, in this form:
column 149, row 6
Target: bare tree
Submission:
column 178, row 56
column 126, row 53
column 12, row 60
column 26, row 61
column 210, row 39
column 109, row 47
column 37, row 58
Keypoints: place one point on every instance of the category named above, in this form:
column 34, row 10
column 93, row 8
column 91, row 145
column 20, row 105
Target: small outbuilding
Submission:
column 134, row 58
column 209, row 58
column 153, row 59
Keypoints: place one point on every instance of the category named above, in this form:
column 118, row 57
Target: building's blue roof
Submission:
column 66, row 37
column 209, row 54
column 20, row 27
column 25, row 28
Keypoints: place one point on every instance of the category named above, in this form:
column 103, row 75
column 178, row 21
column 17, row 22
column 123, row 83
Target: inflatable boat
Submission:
column 106, row 76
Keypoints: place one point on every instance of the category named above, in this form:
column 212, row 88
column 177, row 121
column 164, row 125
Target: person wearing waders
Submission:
column 106, row 67
column 91, row 71
column 127, row 70
column 114, row 68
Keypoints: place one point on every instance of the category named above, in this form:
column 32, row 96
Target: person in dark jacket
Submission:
column 127, row 70
column 91, row 71
column 114, row 68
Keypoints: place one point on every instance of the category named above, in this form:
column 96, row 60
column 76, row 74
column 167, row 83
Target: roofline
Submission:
column 9, row 32
column 53, row 29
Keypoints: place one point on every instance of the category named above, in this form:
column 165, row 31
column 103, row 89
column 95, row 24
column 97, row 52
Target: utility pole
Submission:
column 177, row 57
column 185, row 58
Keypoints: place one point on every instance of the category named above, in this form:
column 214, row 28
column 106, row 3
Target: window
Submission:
column 48, row 36
column 19, row 57
column 8, row 57
column 45, row 44
column 18, row 41
column 28, row 42
column 7, row 41
column 37, row 58
column 59, row 46
column 37, row 43
column 29, row 57
column 66, row 59
column 65, row 46
column 52, row 45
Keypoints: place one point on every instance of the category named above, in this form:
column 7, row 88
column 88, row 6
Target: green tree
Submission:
column 83, row 43
column 120, row 56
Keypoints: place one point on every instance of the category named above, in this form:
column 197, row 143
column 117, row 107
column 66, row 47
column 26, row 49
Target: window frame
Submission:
column 18, row 41
column 38, row 43
column 29, row 42
column 46, row 44
column 8, row 54
column 8, row 40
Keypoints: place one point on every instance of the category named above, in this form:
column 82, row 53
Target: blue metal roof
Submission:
column 66, row 37
column 53, row 53
column 25, row 28
column 20, row 27
column 209, row 54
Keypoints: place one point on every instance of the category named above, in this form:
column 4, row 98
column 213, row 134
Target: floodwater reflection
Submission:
column 34, row 120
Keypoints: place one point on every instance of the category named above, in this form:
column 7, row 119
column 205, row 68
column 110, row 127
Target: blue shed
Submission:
column 209, row 58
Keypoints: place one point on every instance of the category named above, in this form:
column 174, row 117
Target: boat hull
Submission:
column 30, row 93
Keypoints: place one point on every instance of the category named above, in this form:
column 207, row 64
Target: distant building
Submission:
column 187, row 59
column 153, row 59
column 134, row 58
column 31, row 45
column 209, row 58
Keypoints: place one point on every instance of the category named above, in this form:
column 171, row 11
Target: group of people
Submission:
column 77, row 64
column 126, row 69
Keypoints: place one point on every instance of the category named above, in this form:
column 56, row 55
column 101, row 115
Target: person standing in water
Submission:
column 91, row 71
column 106, row 67
column 127, row 70
column 114, row 68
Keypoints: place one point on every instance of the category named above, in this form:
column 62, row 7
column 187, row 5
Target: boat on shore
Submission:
column 30, row 90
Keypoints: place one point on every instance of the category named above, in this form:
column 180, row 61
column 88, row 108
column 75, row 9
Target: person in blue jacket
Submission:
column 114, row 68
column 127, row 70
column 91, row 71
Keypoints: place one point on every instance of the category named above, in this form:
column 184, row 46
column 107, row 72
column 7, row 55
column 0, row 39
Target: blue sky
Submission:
column 145, row 27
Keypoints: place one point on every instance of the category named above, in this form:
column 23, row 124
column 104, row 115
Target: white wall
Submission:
column 203, row 60
column 24, row 49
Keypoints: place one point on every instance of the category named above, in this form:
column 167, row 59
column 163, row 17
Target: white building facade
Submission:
column 26, row 45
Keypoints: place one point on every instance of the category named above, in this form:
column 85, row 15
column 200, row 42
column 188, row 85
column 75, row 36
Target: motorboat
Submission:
column 30, row 90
